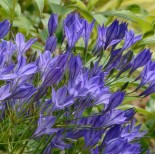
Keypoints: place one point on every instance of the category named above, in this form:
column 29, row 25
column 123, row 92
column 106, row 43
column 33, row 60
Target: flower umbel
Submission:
column 67, row 99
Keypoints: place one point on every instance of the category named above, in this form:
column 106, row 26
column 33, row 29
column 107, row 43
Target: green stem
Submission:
column 42, row 140
column 47, row 144
column 6, row 132
column 85, row 56
column 27, row 131
column 24, row 147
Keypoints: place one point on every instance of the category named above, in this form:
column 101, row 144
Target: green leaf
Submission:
column 43, row 34
column 59, row 9
column 124, row 86
column 139, row 110
column 128, row 15
column 136, row 9
column 37, row 46
column 58, row 2
column 18, row 9
column 128, row 99
column 103, row 5
column 92, row 3
column 145, row 112
column 124, row 80
column 24, row 23
column 40, row 4
column 100, row 19
column 9, row 7
column 5, row 6
column 82, row 8
column 148, row 40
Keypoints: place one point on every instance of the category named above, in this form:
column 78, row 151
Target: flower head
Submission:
column 73, row 96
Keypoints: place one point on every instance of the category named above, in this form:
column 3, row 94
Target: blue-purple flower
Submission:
column 87, row 29
column 52, row 24
column 23, row 46
column 4, row 28
column 141, row 59
column 51, row 43
column 72, row 101
column 45, row 124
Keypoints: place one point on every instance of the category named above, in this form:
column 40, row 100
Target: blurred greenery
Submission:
column 31, row 17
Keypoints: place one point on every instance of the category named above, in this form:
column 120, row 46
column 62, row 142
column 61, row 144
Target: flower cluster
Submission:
column 73, row 101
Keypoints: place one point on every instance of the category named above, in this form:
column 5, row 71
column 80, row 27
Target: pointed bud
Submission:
column 52, row 24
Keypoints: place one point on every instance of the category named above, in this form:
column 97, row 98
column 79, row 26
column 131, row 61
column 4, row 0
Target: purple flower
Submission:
column 113, row 117
column 21, row 63
column 125, row 62
column 44, row 60
column 115, row 100
column 87, row 29
column 102, row 97
column 45, row 124
column 61, row 99
column 7, row 47
column 110, row 36
column 28, row 69
column 52, row 76
column 92, row 137
column 71, row 20
column 8, row 76
column 21, row 69
column 72, row 36
column 121, row 146
column 5, row 92
column 52, row 24
column 7, row 69
column 121, row 30
column 57, row 142
column 128, row 132
column 129, row 113
column 62, row 60
column 75, row 66
column 51, row 43
column 129, row 40
column 22, row 47
column 22, row 91
column 73, row 29
column 40, row 93
column 95, row 151
column 149, row 90
column 147, row 75
column 4, row 28
column 141, row 59
column 112, row 133
column 132, row 132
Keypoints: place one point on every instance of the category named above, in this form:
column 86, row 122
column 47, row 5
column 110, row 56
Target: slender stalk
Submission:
column 24, row 146
column 47, row 143
column 27, row 131
column 42, row 140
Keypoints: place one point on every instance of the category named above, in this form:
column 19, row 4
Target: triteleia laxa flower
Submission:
column 52, row 24
column 45, row 124
column 4, row 28
column 141, row 59
column 23, row 46
column 87, row 29
column 73, row 97
column 51, row 43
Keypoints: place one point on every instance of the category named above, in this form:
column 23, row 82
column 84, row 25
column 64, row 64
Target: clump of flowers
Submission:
column 65, row 102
